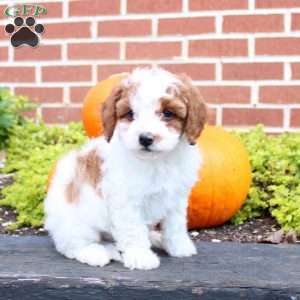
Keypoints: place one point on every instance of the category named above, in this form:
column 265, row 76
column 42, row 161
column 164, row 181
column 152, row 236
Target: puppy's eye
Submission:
column 167, row 114
column 129, row 115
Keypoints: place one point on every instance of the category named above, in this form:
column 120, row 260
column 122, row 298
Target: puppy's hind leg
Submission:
column 83, row 244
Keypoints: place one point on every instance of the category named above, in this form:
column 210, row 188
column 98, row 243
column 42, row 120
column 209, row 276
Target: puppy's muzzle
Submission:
column 146, row 139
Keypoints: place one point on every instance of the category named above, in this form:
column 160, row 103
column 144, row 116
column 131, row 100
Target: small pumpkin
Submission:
column 224, row 178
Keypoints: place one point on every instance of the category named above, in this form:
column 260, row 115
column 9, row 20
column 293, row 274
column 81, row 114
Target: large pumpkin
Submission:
column 225, row 178
column 225, row 175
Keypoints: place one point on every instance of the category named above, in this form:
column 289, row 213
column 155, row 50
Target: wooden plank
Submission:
column 30, row 268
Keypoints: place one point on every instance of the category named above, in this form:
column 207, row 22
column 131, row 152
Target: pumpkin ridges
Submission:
column 213, row 195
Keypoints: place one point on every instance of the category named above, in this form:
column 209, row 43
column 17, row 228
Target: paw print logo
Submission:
column 22, row 34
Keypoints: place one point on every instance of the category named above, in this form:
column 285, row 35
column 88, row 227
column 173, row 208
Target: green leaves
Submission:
column 11, row 108
column 275, row 190
column 32, row 151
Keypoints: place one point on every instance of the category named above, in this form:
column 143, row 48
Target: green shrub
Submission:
column 275, row 160
column 275, row 190
column 32, row 152
column 11, row 108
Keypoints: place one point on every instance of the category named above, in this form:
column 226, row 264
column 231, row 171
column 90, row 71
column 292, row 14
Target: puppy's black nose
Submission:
column 146, row 139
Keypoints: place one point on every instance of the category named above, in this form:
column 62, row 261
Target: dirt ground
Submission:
column 263, row 230
column 253, row 231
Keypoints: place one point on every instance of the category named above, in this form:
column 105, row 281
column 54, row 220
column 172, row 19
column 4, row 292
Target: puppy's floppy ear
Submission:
column 109, row 116
column 197, row 112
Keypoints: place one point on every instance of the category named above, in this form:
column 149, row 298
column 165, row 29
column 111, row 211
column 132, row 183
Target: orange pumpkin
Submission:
column 225, row 178
column 225, row 175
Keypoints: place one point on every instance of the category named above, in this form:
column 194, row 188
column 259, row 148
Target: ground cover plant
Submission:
column 275, row 162
column 32, row 151
column 11, row 109
column 34, row 147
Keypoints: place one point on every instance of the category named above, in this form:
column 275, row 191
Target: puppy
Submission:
column 138, row 175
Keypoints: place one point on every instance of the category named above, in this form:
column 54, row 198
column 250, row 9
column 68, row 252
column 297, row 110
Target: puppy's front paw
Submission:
column 93, row 255
column 181, row 248
column 140, row 258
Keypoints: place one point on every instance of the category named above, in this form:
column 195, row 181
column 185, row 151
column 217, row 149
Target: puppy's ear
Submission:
column 109, row 116
column 197, row 112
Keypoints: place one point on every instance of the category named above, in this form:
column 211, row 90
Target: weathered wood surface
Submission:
column 30, row 268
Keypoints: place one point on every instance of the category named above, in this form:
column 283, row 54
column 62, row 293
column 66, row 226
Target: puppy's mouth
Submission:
column 146, row 149
column 149, row 151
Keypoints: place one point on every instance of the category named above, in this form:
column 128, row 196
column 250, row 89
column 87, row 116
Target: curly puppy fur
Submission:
column 138, row 174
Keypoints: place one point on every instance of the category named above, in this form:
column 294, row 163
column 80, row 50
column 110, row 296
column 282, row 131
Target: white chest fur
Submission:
column 153, row 186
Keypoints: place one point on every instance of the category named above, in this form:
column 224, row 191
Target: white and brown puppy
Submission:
column 139, row 174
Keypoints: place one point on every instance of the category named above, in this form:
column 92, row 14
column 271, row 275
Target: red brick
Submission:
column 225, row 94
column 218, row 47
column 3, row 53
column 17, row 74
column 94, row 7
column 295, row 118
column 277, row 46
column 152, row 50
column 54, row 9
column 280, row 94
column 94, row 51
column 30, row 114
column 66, row 73
column 61, row 114
column 67, row 30
column 195, row 25
column 295, row 21
column 3, row 34
column 77, row 94
column 253, row 23
column 105, row 71
column 252, row 116
column 277, row 3
column 218, row 5
column 295, row 70
column 2, row 9
column 41, row 94
column 42, row 52
column 211, row 116
column 150, row 6
column 194, row 70
column 252, row 71
column 124, row 28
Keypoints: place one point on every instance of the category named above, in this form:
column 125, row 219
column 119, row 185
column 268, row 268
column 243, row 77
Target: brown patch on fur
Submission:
column 196, row 109
column 109, row 116
column 122, row 107
column 175, row 105
column 178, row 108
column 115, row 107
column 176, row 124
column 88, row 170
column 72, row 192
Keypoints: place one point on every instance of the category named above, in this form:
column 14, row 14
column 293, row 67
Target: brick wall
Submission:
column 243, row 54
